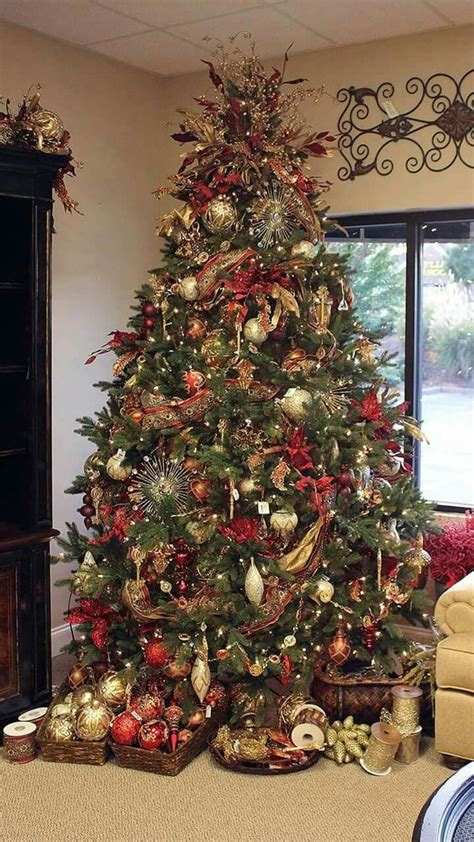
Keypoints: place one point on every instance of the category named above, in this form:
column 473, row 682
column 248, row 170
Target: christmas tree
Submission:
column 249, row 501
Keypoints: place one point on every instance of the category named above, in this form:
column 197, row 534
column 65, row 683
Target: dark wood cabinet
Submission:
column 26, row 182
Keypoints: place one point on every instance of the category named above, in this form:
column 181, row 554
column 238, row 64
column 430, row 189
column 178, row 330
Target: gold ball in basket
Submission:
column 305, row 249
column 60, row 709
column 78, row 675
column 60, row 728
column 82, row 696
column 112, row 689
column 92, row 721
column 220, row 215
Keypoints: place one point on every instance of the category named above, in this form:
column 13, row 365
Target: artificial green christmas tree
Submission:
column 249, row 500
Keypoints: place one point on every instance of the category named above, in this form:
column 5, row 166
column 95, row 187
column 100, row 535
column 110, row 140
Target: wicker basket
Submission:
column 263, row 768
column 361, row 698
column 70, row 751
column 162, row 763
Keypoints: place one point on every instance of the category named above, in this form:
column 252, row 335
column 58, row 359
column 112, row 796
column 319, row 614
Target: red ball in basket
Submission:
column 125, row 728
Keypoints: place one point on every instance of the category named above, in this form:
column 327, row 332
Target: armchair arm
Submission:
column 454, row 610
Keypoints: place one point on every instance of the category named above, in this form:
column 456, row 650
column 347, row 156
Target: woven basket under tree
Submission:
column 70, row 751
column 363, row 697
column 164, row 763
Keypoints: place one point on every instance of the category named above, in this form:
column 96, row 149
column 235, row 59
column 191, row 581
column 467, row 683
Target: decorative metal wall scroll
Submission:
column 437, row 129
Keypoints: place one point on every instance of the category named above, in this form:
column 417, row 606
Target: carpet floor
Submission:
column 52, row 802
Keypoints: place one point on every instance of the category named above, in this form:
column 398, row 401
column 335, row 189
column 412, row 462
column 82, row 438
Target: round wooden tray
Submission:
column 263, row 768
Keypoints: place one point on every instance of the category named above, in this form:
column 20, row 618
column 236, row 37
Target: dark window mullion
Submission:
column 413, row 332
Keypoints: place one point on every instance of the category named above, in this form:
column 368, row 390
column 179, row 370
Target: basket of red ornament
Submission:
column 155, row 734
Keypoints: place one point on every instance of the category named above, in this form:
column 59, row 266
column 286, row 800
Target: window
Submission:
column 413, row 277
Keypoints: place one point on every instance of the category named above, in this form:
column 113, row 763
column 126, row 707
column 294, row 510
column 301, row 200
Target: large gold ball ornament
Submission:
column 254, row 332
column 92, row 721
column 188, row 288
column 305, row 249
column 325, row 590
column 116, row 467
column 220, row 215
column 248, row 485
column 60, row 728
column 82, row 696
column 296, row 402
column 216, row 348
column 60, row 710
column 112, row 689
column 93, row 465
column 200, row 531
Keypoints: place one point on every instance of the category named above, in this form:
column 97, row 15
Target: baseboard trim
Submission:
column 60, row 636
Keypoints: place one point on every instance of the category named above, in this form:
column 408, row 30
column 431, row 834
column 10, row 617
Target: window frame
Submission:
column 413, row 220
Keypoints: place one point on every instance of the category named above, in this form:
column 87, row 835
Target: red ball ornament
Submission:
column 286, row 670
column 87, row 522
column 149, row 324
column 147, row 706
column 148, row 310
column 346, row 478
column 152, row 735
column 200, row 488
column 87, row 499
column 156, row 654
column 339, row 648
column 125, row 728
column 86, row 511
column 369, row 627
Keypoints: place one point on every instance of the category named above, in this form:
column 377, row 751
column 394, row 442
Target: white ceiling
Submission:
column 166, row 36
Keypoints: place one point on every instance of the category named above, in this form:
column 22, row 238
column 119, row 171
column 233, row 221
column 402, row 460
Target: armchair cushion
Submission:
column 454, row 610
column 455, row 662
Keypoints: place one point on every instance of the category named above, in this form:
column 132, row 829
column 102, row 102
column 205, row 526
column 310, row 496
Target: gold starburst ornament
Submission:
column 158, row 480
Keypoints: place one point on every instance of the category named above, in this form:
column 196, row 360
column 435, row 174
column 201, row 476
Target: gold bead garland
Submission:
column 383, row 744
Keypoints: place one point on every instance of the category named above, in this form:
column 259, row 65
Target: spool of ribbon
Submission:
column 381, row 750
column 19, row 742
column 35, row 715
column 409, row 748
column 406, row 708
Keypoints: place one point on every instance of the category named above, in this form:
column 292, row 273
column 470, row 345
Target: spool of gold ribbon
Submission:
column 406, row 708
column 409, row 748
column 383, row 744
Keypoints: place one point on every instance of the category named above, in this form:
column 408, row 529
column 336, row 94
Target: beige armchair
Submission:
column 454, row 709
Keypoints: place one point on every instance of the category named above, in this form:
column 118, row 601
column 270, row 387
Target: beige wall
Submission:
column 393, row 60
column 117, row 118
column 113, row 114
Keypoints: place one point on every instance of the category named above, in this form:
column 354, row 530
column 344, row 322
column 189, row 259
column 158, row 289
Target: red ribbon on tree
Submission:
column 118, row 337
column 99, row 615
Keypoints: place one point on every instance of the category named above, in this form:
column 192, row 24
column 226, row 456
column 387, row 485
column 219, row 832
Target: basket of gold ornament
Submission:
column 360, row 694
column 295, row 744
column 169, row 741
column 76, row 726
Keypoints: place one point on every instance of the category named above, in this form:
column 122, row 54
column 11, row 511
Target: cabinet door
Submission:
column 24, row 629
column 16, row 626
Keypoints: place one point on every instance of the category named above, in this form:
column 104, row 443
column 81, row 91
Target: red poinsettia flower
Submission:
column 241, row 529
column 370, row 408
column 299, row 451
column 101, row 616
